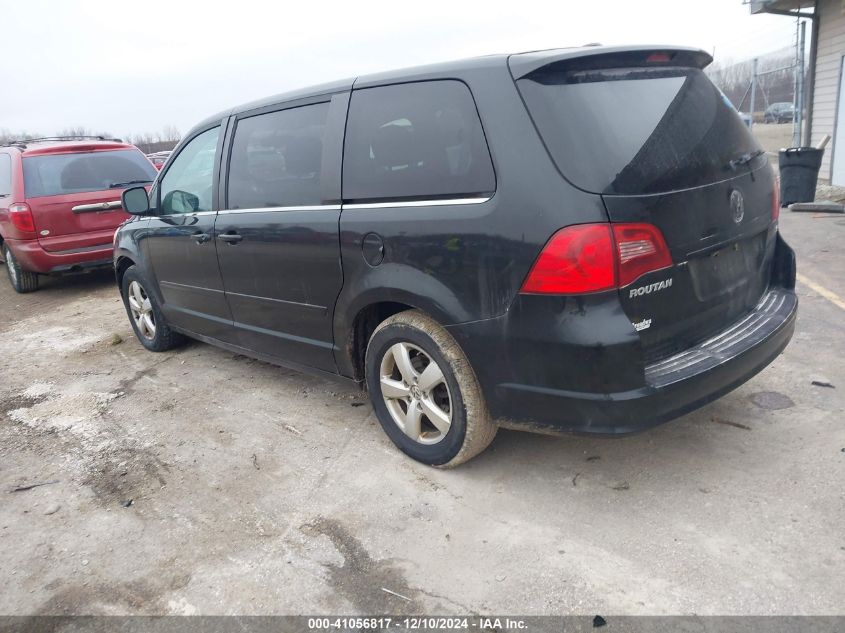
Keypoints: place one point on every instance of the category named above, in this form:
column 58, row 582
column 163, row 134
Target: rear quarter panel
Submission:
column 464, row 263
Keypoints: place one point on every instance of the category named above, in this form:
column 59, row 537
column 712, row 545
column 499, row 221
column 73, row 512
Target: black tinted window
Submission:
column 5, row 174
column 276, row 158
column 55, row 174
column 636, row 130
column 416, row 140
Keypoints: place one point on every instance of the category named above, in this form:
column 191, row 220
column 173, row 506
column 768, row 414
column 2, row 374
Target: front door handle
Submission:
column 230, row 238
column 201, row 238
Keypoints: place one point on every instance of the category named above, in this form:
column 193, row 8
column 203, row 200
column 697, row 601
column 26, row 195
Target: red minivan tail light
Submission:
column 641, row 249
column 593, row 257
column 21, row 216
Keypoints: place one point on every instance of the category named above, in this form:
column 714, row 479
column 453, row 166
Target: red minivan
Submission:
column 60, row 203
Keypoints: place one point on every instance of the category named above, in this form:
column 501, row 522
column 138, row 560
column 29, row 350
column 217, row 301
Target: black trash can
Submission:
column 799, row 172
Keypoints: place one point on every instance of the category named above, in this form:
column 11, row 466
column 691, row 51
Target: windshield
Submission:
column 636, row 130
column 56, row 174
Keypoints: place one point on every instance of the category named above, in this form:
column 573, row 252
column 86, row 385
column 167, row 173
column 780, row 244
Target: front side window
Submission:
column 188, row 183
column 5, row 174
column 415, row 141
column 276, row 158
column 59, row 174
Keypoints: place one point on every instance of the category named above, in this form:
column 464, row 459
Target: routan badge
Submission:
column 645, row 290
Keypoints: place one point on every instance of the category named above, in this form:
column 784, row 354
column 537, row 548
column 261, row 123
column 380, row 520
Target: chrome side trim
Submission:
column 298, row 304
column 175, row 284
column 416, row 203
column 192, row 214
column 338, row 207
column 312, row 207
column 97, row 206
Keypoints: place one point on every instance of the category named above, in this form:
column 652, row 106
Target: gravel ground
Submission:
column 199, row 481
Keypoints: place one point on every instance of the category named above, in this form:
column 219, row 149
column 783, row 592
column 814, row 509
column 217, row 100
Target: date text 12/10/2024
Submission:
column 417, row 623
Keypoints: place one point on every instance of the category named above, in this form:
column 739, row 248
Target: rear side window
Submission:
column 56, row 174
column 636, row 130
column 5, row 174
column 415, row 141
column 276, row 158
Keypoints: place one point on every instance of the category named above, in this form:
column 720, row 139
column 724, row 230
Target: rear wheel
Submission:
column 145, row 314
column 22, row 280
column 425, row 393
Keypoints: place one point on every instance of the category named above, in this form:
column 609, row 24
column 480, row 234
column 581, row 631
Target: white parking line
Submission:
column 827, row 294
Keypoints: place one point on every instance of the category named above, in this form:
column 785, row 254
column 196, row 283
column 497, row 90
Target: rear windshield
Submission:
column 55, row 174
column 636, row 130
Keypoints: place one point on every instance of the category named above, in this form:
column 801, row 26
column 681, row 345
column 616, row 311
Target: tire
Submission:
column 148, row 322
column 398, row 354
column 22, row 280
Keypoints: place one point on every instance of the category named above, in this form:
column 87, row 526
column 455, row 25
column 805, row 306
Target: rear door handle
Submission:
column 230, row 238
column 201, row 238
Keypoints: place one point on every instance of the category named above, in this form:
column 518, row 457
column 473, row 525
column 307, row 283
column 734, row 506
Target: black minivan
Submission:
column 580, row 240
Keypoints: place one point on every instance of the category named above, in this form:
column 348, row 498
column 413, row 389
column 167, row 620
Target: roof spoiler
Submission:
column 594, row 57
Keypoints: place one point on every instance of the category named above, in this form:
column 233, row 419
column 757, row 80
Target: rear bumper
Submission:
column 32, row 257
column 672, row 387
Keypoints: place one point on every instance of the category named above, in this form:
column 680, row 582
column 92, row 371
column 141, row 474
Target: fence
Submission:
column 755, row 84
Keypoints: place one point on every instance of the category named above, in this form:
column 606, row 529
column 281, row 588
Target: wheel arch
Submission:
column 121, row 265
column 361, row 328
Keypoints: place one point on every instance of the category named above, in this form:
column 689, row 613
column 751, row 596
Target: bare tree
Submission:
column 170, row 133
column 74, row 132
column 81, row 132
column 142, row 138
column 776, row 79
column 7, row 136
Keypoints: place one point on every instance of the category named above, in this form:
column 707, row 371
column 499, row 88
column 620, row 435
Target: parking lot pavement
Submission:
column 199, row 481
column 773, row 136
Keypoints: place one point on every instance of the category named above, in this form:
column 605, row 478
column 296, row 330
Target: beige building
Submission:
column 826, row 91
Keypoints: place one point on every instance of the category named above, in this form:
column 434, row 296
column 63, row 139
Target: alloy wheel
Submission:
column 416, row 394
column 142, row 310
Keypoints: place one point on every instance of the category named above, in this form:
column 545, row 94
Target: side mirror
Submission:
column 135, row 200
column 180, row 202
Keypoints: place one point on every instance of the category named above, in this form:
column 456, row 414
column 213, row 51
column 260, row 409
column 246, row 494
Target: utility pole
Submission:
column 798, row 121
column 753, row 90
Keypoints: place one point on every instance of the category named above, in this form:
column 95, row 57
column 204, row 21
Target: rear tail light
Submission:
column 594, row 257
column 577, row 259
column 21, row 216
column 776, row 200
column 641, row 249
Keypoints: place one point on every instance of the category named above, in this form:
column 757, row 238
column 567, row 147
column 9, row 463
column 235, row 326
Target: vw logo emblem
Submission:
column 737, row 206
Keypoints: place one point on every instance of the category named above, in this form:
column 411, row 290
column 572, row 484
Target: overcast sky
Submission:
column 132, row 66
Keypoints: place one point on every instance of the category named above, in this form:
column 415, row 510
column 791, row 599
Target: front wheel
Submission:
column 22, row 280
column 424, row 392
column 145, row 314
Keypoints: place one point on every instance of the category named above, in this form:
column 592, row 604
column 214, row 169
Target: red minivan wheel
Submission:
column 22, row 280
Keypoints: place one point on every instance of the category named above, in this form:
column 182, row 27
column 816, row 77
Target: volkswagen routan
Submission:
column 574, row 240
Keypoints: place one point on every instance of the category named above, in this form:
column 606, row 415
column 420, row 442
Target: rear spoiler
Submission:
column 595, row 57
